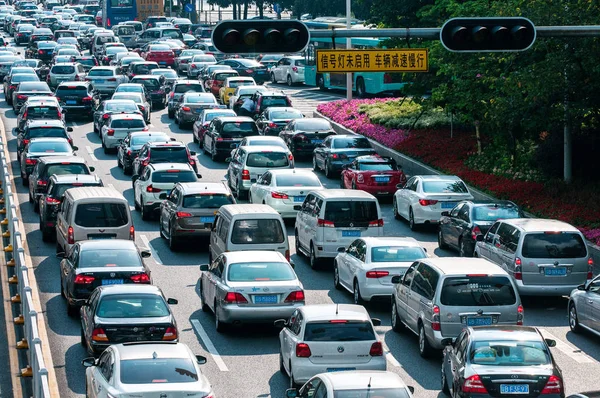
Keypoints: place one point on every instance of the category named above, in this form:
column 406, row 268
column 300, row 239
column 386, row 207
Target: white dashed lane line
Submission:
column 146, row 242
column 572, row 352
column 90, row 152
column 210, row 347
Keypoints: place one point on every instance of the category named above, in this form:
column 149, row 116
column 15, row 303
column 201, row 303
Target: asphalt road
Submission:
column 244, row 362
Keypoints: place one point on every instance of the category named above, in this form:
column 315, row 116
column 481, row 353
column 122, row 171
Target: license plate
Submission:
column 514, row 388
column 560, row 271
column 339, row 369
column 448, row 205
column 207, row 219
column 479, row 321
column 163, row 62
column 316, row 141
column 112, row 281
column 199, row 110
column 101, row 236
column 350, row 233
column 382, row 179
column 299, row 198
column 265, row 299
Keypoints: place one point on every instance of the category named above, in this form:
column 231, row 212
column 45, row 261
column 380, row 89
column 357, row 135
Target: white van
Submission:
column 98, row 42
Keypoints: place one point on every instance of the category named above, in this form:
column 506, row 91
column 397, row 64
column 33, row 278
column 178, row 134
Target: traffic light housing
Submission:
column 488, row 34
column 260, row 36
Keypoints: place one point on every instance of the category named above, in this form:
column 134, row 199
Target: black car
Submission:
column 38, row 148
column 6, row 62
column 459, row 227
column 248, row 67
column 156, row 87
column 267, row 99
column 42, row 128
column 47, row 166
column 87, row 61
column 78, row 99
column 119, row 314
column 303, row 135
column 26, row 90
column 141, row 68
column 338, row 150
column 274, row 119
column 225, row 133
column 39, row 109
column 501, row 361
column 42, row 50
column 163, row 152
column 11, row 82
column 94, row 263
column 108, row 107
column 128, row 150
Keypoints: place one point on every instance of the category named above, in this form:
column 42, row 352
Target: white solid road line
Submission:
column 144, row 239
column 388, row 354
column 572, row 352
column 91, row 153
column 111, row 186
column 210, row 347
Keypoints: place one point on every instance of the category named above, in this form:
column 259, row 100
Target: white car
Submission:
column 247, row 91
column 146, row 369
column 106, row 79
column 119, row 125
column 367, row 266
column 423, row 198
column 289, row 70
column 327, row 338
column 284, row 189
column 254, row 140
column 156, row 182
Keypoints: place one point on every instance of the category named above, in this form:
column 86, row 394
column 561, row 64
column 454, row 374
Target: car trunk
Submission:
column 121, row 133
column 123, row 330
column 73, row 97
column 388, row 178
column 348, row 155
column 162, row 57
column 339, row 343
column 510, row 381
column 109, row 274
column 271, row 293
column 445, row 201
column 101, row 80
column 295, row 195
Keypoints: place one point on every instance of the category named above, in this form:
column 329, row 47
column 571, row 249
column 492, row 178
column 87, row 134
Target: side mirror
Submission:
column 192, row 153
column 228, row 160
column 399, row 186
column 479, row 238
column 145, row 253
column 172, row 301
column 200, row 360
column 92, row 169
column 551, row 342
column 60, row 255
column 445, row 214
column 446, row 342
column 346, row 166
column 341, row 250
column 204, row 267
column 198, row 175
column 376, row 321
column 581, row 287
column 75, row 148
column 291, row 393
column 135, row 178
column 88, row 362
column 396, row 279
column 162, row 196
column 280, row 323
column 64, row 110
column 411, row 389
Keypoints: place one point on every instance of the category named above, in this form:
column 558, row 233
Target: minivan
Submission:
column 92, row 213
column 544, row 257
column 329, row 220
column 438, row 297
column 247, row 227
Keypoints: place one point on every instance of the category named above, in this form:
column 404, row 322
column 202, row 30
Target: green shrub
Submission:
column 399, row 114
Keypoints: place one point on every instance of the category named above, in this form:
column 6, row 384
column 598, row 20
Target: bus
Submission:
column 115, row 12
column 363, row 83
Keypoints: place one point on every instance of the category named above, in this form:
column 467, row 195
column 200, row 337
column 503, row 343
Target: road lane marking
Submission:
column 144, row 239
column 572, row 352
column 111, row 186
column 90, row 152
column 388, row 353
column 209, row 345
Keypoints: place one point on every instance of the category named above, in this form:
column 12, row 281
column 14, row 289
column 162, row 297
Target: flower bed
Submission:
column 435, row 148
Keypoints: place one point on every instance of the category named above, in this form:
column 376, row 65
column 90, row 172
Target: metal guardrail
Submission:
column 29, row 318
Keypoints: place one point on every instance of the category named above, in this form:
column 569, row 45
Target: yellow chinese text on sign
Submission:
column 396, row 60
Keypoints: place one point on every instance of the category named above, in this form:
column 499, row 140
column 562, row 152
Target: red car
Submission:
column 161, row 54
column 216, row 81
column 374, row 174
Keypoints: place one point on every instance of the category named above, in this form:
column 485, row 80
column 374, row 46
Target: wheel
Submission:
column 395, row 207
column 239, row 193
column 354, row 185
column 289, row 81
column 105, row 148
column 313, row 260
column 573, row 320
column 177, row 120
column 281, row 367
column 444, row 382
column 219, row 325
column 314, row 162
column 297, row 243
column 194, row 138
column 342, row 184
column 425, row 348
column 203, row 147
column 356, row 294
column 144, row 211
column 462, row 250
column 360, row 88
column 171, row 114
column 72, row 310
column 46, row 234
column 62, row 290
column 58, row 248
column 250, row 197
column 411, row 220
column 273, row 80
column 336, row 276
column 205, row 307
column 293, row 383
column 173, row 241
column 213, row 155
column 136, row 205
column 30, row 198
column 127, row 170
column 82, row 341
column 328, row 172
column 397, row 324
column 119, row 163
column 441, row 243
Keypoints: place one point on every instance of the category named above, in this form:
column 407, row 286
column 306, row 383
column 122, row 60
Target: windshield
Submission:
column 43, row 112
column 239, row 129
column 102, row 215
column 32, row 86
column 165, row 72
column 204, row 58
column 476, row 291
column 109, row 258
column 129, row 89
column 286, row 115
column 128, row 124
column 160, row 371
column 386, row 254
column 250, row 272
column 509, row 353
column 144, row 69
column 172, row 33
column 49, row 147
column 132, row 306
column 554, row 245
column 207, row 200
column 184, row 88
column 25, row 78
column 238, row 83
column 133, row 97
column 493, row 213
column 376, row 166
column 268, row 159
column 297, row 180
column 87, row 61
column 141, row 140
column 274, row 101
column 67, row 168
column 257, row 231
column 454, row 186
column 339, row 331
column 173, row 176
column 349, row 142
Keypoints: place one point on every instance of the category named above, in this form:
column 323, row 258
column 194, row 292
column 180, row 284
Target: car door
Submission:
column 321, row 151
column 592, row 305
column 403, row 292
column 358, row 261
column 455, row 361
column 504, row 247
column 448, row 225
column 168, row 208
column 222, row 236
column 281, row 69
column 68, row 268
column 262, row 187
column 349, row 174
column 290, row 337
column 300, row 225
column 102, row 370
column 403, row 197
column 139, row 185
column 344, row 262
column 484, row 248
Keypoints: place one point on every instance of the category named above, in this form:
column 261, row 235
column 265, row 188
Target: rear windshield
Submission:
column 339, row 331
column 212, row 115
column 372, row 393
column 296, row 180
column 286, row 115
column 46, row 45
column 172, row 154
column 60, row 189
column 200, row 99
column 238, row 83
column 267, row 159
column 71, row 90
column 384, row 254
column 173, row 176
column 376, row 166
column 159, row 371
column 121, row 106
column 132, row 306
column 184, row 88
column 148, row 138
column 346, row 210
column 250, row 272
column 493, row 213
column 172, row 33
column 129, row 89
column 42, row 112
column 477, row 291
column 66, row 168
column 347, row 142
column 47, row 132
column 554, row 245
column 239, row 129
column 257, row 232
column 445, row 187
column 87, row 61
column 105, row 39
column 168, row 73
column 33, row 86
column 509, row 353
column 102, row 215
column 203, row 58
column 49, row 147
column 148, row 83
column 109, row 258
column 101, row 72
column 144, row 69
column 128, row 124
column 207, row 200
column 274, row 101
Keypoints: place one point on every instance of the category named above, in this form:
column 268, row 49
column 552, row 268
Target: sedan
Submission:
column 583, row 307
column 367, row 266
column 231, row 84
column 191, row 105
column 201, row 124
column 182, row 62
column 93, row 263
column 248, row 67
column 274, row 119
column 26, row 90
column 374, row 174
column 249, row 286
column 143, row 105
column 169, row 75
column 39, row 147
column 119, row 314
column 128, row 150
column 160, row 53
column 197, row 63
column 155, row 87
column 108, row 107
column 338, row 150
column 12, row 82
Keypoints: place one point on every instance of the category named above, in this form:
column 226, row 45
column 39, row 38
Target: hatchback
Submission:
column 118, row 127
column 275, row 118
column 78, row 99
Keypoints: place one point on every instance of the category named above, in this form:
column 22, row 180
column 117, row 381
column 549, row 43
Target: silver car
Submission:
column 584, row 303
column 118, row 127
column 250, row 286
column 191, row 105
column 65, row 72
column 198, row 62
column 182, row 62
column 105, row 79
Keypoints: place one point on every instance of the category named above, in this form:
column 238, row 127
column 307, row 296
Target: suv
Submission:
column 266, row 99
column 141, row 67
column 179, row 88
column 105, row 79
column 163, row 152
column 155, row 87
column 289, row 70
column 42, row 50
column 438, row 297
column 65, row 72
column 42, row 128
column 118, row 127
column 48, row 203
column 78, row 98
column 128, row 150
column 109, row 107
column 47, row 109
column 225, row 133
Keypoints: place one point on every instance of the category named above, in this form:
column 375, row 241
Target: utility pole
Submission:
column 348, row 47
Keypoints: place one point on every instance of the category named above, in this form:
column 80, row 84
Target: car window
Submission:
column 109, row 258
column 268, row 159
column 409, row 275
column 224, row 229
column 435, row 186
column 160, row 370
column 101, row 215
column 355, row 211
column 297, row 180
column 339, row 331
column 463, row 214
column 508, row 238
column 382, row 254
column 474, row 290
column 257, row 231
column 174, row 176
column 68, row 168
column 46, row 131
column 351, row 142
column 49, row 147
column 491, row 234
column 509, row 354
column 425, row 281
column 132, row 305
column 238, row 129
column 493, row 213
column 169, row 154
column 263, row 271
column 184, row 88
column 554, row 245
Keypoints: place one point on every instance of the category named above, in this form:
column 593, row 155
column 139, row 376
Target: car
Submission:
column 159, row 53
column 230, row 84
column 38, row 147
column 303, row 135
column 489, row 361
column 248, row 67
column 179, row 89
column 253, row 286
column 128, row 150
column 459, row 227
column 423, row 198
column 190, row 105
column 225, row 133
column 206, row 72
column 200, row 126
column 266, row 99
column 155, row 87
column 142, row 308
column 23, row 33
column 182, row 62
column 311, row 338
column 163, row 152
column 93, row 263
column 169, row 75
column 78, row 99
column 109, row 107
column 254, row 140
column 6, row 61
column 140, row 67
column 269, row 60
column 106, row 79
column 87, row 62
column 242, row 92
column 119, row 56
column 133, row 88
column 140, row 101
column 64, row 54
column 117, row 127
column 26, row 90
column 135, row 367
column 374, row 174
column 188, row 211
column 583, row 305
column 152, row 20
column 49, row 202
column 125, row 63
column 197, row 63
column 367, row 266
column 216, row 80
column 183, row 24
column 65, row 72
column 68, row 40
column 156, row 179
column 38, row 67
column 338, row 150
column 11, row 83
column 275, row 118
column 111, row 52
column 41, row 128
column 39, row 108
column 289, row 70
column 284, row 189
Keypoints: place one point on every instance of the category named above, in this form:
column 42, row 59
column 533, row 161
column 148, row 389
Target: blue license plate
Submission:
column 265, row 299
column 112, row 281
column 382, row 179
column 448, row 205
column 299, row 198
column 207, row 219
column 316, row 142
column 163, row 62
column 560, row 271
column 339, row 369
column 479, row 321
column 71, row 102
column 514, row 388
column 199, row 110
column 350, row 233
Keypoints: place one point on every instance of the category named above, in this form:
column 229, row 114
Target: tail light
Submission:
column 25, row 142
column 98, row 334
column 13, row 87
column 287, row 255
column 300, row 137
column 273, row 125
column 145, row 129
column 387, row 78
column 296, row 296
column 132, row 233
column 70, row 236
column 151, row 189
column 112, row 79
column 376, row 223
column 105, row 116
column 475, row 231
column 186, row 108
column 295, row 68
column 42, row 183
column 52, row 201
column 553, row 386
column 360, row 178
column 325, row 223
column 303, row 350
column 77, row 78
column 110, row 132
column 291, row 157
column 145, row 162
column 87, row 99
column 84, row 280
column 140, row 278
column 474, row 385
column 245, row 175
column 31, row 162
column 183, row 214
column 21, row 97
column 377, row 274
column 334, row 156
column 427, row 202
column 590, row 273
column 279, row 195
column 191, row 66
column 249, row 71
column 40, row 52
column 520, row 314
column 235, row 298
column 518, row 269
column 172, row 94
column 129, row 152
column 142, row 108
column 376, row 349
column 435, row 319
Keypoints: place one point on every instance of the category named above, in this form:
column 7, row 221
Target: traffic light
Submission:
column 488, row 34
column 260, row 36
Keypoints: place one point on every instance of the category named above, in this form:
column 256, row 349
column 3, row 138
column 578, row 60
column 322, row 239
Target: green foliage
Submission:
column 405, row 114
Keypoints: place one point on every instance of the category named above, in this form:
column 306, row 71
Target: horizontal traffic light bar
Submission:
column 243, row 37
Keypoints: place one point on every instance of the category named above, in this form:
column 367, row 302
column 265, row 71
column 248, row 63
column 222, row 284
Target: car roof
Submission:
column 499, row 203
column 272, row 93
column 62, row 159
column 342, row 136
column 151, row 350
column 104, row 68
column 147, row 133
column 116, row 116
column 217, row 110
column 286, row 171
column 326, row 312
column 240, row 78
column 464, row 265
column 118, row 244
column 72, row 178
column 190, row 188
column 229, row 119
column 166, row 143
column 433, row 177
column 170, row 166
column 373, row 158
column 265, row 148
column 391, row 241
column 145, row 77
column 541, row 225
column 505, row 332
column 254, row 256
column 32, row 123
column 129, row 288
column 76, row 84
column 344, row 194
column 234, row 209
column 282, row 108
column 48, row 139
column 96, row 193
column 131, row 85
column 362, row 379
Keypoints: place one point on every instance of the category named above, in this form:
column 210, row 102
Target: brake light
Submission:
column 40, row 52
column 435, row 319
column 303, row 350
column 99, row 335
column 272, row 125
column 52, row 201
column 145, row 162
column 334, row 156
column 245, row 175
column 295, row 68
column 376, row 223
column 31, row 162
column 110, row 132
column 140, row 278
column 325, row 223
column 70, row 236
column 235, row 298
column 377, row 274
column 475, row 231
column 376, row 349
column 287, row 255
column 427, row 202
column 172, row 94
column 151, row 189
column 112, row 79
column 473, row 384
column 291, row 157
column 42, row 183
column 518, row 269
column 13, row 87
column 520, row 314
column 105, row 116
column 298, row 295
column 186, row 108
column 279, row 195
column 129, row 152
column 191, row 66
column 553, row 386
column 132, row 233
column 25, row 142
column 590, row 273
column 87, row 99
column 182, row 214
column 21, row 97
column 84, row 279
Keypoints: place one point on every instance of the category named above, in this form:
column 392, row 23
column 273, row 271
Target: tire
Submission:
column 425, row 349
column 441, row 243
column 411, row 220
column 144, row 212
column 136, row 205
column 72, row 310
column 573, row 319
column 289, row 81
column 46, row 234
column 105, row 148
column 119, row 163
column 397, row 215
column 273, row 78
column 328, row 172
column 357, row 298
column 205, row 307
column 354, row 185
column 82, row 341
column 462, row 252
column 313, row 260
column 297, row 244
column 360, row 88
column 239, row 193
column 315, row 166
column 336, row 276
column 219, row 326
column 194, row 138
column 444, row 382
column 173, row 242
column 281, row 367
column 171, row 114
column 397, row 325
column 214, row 156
